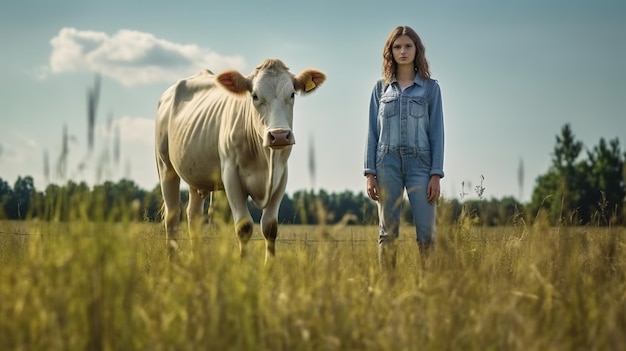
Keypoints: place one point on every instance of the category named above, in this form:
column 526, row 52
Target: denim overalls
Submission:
column 404, row 148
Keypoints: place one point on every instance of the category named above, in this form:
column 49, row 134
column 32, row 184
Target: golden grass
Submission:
column 107, row 286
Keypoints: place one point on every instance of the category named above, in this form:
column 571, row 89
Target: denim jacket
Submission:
column 410, row 119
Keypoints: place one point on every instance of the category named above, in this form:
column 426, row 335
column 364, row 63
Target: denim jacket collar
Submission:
column 417, row 80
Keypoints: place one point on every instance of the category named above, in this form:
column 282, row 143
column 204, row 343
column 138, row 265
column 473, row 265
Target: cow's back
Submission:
column 192, row 116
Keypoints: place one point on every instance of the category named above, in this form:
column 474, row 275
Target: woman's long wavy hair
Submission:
column 390, row 65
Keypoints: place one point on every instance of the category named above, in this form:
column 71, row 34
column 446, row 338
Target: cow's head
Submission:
column 272, row 89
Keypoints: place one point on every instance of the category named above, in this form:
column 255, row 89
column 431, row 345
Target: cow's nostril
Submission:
column 279, row 138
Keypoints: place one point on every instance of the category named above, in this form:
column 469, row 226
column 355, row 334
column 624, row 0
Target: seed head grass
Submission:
column 110, row 286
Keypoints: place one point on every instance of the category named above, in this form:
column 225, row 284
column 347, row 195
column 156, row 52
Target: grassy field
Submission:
column 106, row 286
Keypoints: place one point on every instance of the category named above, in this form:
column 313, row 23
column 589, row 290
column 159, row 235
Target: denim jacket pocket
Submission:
column 389, row 106
column 418, row 107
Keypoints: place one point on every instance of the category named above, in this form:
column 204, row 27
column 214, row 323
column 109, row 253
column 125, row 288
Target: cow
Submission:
column 233, row 133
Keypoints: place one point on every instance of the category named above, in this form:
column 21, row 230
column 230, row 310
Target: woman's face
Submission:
column 403, row 50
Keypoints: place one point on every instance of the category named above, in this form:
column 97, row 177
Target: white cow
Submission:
column 229, row 132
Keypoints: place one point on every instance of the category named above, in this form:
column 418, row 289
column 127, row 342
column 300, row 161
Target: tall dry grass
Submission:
column 106, row 286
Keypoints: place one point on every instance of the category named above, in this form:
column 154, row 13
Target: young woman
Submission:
column 405, row 143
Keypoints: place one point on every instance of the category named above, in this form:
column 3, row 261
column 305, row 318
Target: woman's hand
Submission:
column 434, row 189
column 372, row 187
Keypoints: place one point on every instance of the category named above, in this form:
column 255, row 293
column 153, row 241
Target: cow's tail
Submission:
column 270, row 183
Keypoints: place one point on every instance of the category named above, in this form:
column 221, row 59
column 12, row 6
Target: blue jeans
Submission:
column 401, row 169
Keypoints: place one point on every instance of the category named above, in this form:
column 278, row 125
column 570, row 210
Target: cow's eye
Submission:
column 255, row 97
column 293, row 95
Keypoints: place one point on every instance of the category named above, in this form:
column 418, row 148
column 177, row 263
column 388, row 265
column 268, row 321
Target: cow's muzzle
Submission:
column 277, row 139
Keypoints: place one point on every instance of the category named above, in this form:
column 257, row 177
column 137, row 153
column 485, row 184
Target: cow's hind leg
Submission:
column 170, row 187
column 211, row 209
column 195, row 212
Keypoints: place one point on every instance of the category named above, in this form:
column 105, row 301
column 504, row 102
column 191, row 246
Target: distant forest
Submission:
column 577, row 189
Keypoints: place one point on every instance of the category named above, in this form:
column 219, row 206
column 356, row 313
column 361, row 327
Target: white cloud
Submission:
column 139, row 130
column 25, row 140
column 21, row 155
column 132, row 57
column 136, row 130
column 14, row 146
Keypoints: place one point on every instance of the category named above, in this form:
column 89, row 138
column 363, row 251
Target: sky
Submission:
column 512, row 74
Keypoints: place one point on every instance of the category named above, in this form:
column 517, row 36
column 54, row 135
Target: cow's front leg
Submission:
column 269, row 220
column 269, row 227
column 244, row 227
column 237, row 199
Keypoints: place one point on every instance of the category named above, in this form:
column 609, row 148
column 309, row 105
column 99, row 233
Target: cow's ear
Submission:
column 234, row 82
column 309, row 80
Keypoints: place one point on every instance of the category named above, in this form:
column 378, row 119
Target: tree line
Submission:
column 574, row 191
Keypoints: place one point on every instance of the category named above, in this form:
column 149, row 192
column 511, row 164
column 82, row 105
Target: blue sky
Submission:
column 511, row 73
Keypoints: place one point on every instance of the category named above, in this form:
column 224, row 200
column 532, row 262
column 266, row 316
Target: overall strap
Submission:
column 430, row 84
column 381, row 86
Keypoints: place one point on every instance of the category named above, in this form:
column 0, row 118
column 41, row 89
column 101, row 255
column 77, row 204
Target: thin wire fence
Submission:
column 352, row 238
